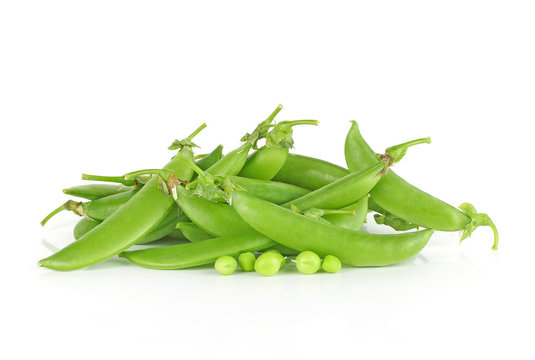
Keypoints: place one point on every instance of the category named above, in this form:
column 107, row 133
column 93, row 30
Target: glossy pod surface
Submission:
column 301, row 233
column 198, row 253
column 397, row 196
column 341, row 192
column 309, row 173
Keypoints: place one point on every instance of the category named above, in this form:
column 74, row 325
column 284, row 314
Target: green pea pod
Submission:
column 309, row 173
column 394, row 222
column 96, row 191
column 127, row 225
column 198, row 253
column 84, row 226
column 192, row 232
column 233, row 162
column 268, row 160
column 102, row 208
column 272, row 191
column 302, row 233
column 214, row 156
column 219, row 219
column 343, row 191
column 355, row 222
column 405, row 201
column 165, row 228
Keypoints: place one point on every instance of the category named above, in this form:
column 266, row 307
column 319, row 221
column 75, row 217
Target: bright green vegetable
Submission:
column 247, row 261
column 307, row 262
column 225, row 265
column 128, row 224
column 331, row 264
column 406, row 201
column 302, row 233
column 268, row 264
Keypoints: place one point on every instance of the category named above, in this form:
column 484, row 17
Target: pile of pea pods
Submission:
column 259, row 209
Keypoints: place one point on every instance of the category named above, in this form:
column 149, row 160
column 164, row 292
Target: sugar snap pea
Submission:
column 128, row 224
column 403, row 200
column 268, row 160
column 197, row 253
column 192, row 232
column 302, row 233
column 308, row 172
column 96, row 191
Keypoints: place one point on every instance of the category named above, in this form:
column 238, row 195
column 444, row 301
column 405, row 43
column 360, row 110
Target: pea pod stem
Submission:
column 114, row 179
column 395, row 153
column 70, row 205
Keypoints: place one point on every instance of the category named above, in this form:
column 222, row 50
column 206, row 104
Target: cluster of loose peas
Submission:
column 270, row 262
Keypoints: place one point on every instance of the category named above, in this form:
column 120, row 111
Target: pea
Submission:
column 268, row 263
column 226, row 265
column 308, row 262
column 331, row 264
column 275, row 251
column 247, row 261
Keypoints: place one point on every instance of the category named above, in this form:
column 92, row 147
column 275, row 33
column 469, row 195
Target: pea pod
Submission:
column 309, row 173
column 343, row 191
column 405, row 201
column 219, row 219
column 165, row 228
column 84, row 226
column 233, row 162
column 360, row 208
column 96, row 191
column 98, row 209
column 301, row 233
column 101, row 208
column 275, row 192
column 192, row 232
column 128, row 224
column 268, row 160
column 197, row 253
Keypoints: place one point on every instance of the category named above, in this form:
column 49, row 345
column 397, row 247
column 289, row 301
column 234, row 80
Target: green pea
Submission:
column 275, row 251
column 226, row 265
column 308, row 262
column 331, row 264
column 268, row 263
column 247, row 261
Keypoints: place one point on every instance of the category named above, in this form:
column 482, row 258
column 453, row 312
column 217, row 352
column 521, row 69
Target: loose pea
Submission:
column 308, row 262
column 275, row 251
column 268, row 264
column 226, row 265
column 247, row 261
column 331, row 264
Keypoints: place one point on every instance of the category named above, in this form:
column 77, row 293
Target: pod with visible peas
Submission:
column 268, row 160
column 405, row 201
column 301, row 233
column 130, row 223
column 268, row 263
column 246, row 261
column 307, row 262
column 331, row 264
column 226, row 265
column 197, row 253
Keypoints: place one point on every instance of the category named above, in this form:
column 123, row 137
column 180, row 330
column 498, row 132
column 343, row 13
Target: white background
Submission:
column 104, row 86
